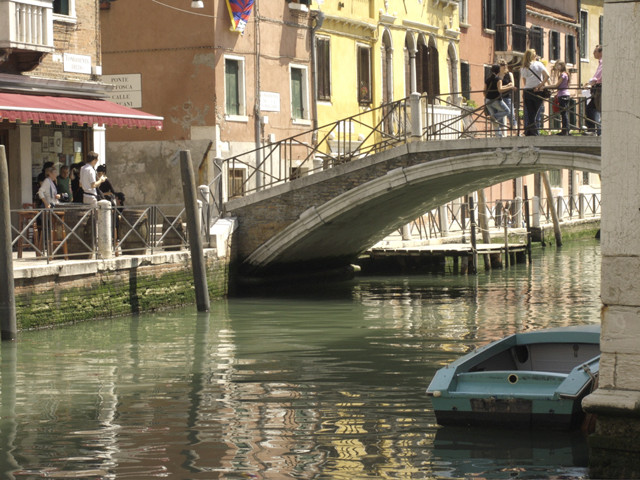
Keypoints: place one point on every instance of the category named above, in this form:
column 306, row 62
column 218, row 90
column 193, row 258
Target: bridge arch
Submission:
column 334, row 233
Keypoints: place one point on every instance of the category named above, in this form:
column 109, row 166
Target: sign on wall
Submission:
column 128, row 89
column 269, row 101
column 76, row 63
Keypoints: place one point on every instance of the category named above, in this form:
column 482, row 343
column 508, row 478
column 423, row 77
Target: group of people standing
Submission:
column 537, row 86
column 80, row 183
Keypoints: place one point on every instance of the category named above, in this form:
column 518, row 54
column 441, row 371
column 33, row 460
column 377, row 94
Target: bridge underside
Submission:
column 333, row 234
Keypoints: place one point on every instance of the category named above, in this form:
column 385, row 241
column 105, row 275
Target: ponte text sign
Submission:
column 128, row 89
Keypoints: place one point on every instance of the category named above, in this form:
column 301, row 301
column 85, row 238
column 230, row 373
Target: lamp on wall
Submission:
column 197, row 4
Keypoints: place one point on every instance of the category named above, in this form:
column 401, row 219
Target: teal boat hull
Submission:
column 534, row 379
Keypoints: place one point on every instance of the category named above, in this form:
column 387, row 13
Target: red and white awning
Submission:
column 81, row 111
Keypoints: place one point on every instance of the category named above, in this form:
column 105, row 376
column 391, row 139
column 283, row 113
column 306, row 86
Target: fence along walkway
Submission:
column 73, row 231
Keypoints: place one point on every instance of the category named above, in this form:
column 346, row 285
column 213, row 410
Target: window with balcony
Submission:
column 234, row 86
column 584, row 35
column 64, row 7
column 364, row 74
column 323, row 68
column 554, row 45
column 299, row 98
column 493, row 13
column 570, row 49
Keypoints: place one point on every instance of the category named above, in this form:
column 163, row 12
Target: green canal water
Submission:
column 327, row 383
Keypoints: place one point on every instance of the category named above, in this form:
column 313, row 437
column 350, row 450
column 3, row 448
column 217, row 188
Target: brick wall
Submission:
column 54, row 295
column 79, row 35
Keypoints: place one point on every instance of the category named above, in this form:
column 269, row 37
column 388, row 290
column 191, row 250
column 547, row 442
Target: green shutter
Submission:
column 296, row 93
column 231, row 84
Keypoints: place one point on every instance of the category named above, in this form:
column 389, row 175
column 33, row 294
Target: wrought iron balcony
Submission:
column 517, row 38
column 26, row 33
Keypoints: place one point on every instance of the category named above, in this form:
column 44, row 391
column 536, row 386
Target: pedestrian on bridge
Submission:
column 507, row 88
column 535, row 77
column 496, row 107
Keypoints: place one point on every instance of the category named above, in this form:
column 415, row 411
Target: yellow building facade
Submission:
column 372, row 52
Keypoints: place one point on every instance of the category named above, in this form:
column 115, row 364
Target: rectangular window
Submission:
column 236, row 182
column 61, row 7
column 299, row 92
column 584, row 35
column 554, row 45
column 536, row 39
column 364, row 74
column 601, row 30
column 465, row 80
column 493, row 13
column 323, row 68
column 570, row 49
column 463, row 12
column 555, row 178
column 234, row 86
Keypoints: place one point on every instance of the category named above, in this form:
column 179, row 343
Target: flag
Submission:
column 239, row 10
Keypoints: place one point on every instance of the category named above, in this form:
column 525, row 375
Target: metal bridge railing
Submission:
column 418, row 117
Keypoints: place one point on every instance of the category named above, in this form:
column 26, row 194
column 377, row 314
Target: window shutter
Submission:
column 296, row 93
column 231, row 86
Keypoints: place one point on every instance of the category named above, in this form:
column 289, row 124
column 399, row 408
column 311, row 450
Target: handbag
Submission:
column 545, row 92
column 555, row 105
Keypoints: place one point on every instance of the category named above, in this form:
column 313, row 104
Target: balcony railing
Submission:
column 516, row 38
column 26, row 25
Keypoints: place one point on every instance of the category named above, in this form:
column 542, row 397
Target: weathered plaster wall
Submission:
column 149, row 172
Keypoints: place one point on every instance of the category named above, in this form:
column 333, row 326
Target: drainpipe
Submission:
column 258, row 118
column 319, row 17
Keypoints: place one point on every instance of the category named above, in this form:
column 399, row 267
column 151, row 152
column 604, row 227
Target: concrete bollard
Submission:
column 105, row 229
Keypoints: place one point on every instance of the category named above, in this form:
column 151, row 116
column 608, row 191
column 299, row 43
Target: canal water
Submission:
column 318, row 384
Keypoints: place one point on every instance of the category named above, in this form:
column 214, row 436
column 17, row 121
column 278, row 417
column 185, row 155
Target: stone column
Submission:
column 615, row 446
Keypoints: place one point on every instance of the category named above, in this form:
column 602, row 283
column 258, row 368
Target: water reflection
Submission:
column 323, row 385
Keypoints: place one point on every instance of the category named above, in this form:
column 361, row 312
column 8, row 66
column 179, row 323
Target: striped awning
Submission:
column 16, row 107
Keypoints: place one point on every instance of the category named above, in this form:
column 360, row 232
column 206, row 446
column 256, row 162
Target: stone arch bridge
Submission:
column 325, row 220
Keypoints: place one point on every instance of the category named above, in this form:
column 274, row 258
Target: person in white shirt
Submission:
column 534, row 76
column 48, row 192
column 88, row 181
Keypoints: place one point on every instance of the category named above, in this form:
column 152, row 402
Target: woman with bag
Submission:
column 561, row 76
column 534, row 77
column 496, row 108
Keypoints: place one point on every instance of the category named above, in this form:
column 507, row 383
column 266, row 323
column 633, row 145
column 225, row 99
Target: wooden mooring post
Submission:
column 8, row 322
column 193, row 227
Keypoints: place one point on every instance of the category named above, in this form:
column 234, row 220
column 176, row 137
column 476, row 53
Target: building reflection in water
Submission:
column 282, row 387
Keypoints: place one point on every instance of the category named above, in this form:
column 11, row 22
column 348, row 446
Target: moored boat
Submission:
column 533, row 379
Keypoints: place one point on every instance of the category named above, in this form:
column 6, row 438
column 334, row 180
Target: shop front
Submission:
column 36, row 129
